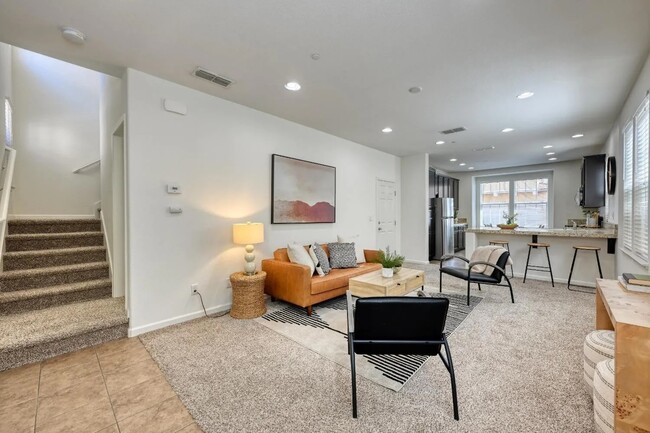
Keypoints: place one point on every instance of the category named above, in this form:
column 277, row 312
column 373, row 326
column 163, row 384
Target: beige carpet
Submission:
column 518, row 366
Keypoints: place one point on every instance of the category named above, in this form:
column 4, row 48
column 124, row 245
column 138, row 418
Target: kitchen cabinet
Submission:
column 443, row 187
column 592, row 188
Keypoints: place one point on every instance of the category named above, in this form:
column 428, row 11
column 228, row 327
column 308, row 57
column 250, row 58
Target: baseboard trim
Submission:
column 135, row 331
column 574, row 282
column 44, row 217
column 417, row 262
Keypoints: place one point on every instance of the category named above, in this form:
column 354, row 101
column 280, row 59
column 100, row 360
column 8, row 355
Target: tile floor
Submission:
column 112, row 388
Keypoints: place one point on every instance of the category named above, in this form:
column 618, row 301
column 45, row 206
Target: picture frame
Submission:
column 302, row 192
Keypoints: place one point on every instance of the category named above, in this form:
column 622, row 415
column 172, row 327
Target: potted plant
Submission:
column 510, row 221
column 390, row 262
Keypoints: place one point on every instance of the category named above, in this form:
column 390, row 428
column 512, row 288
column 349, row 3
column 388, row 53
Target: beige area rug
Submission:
column 325, row 332
column 518, row 368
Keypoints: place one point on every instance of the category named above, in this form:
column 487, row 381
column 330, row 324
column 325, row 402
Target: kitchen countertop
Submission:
column 568, row 232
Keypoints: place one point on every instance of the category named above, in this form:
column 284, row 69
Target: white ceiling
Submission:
column 471, row 57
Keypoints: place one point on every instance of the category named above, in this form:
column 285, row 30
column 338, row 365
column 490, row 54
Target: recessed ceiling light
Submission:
column 578, row 136
column 387, row 130
column 525, row 95
column 470, row 168
column 453, row 160
column 552, row 159
column 73, row 35
column 462, row 164
column 550, row 153
column 293, row 86
column 416, row 89
column 439, row 142
column 507, row 130
column 548, row 146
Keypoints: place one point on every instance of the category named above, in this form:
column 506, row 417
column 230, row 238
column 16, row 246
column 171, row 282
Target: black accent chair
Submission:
column 398, row 326
column 465, row 273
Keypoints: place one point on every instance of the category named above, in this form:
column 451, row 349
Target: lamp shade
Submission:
column 248, row 233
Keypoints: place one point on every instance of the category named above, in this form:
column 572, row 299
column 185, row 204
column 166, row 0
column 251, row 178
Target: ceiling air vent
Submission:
column 453, row 130
column 214, row 78
column 483, row 149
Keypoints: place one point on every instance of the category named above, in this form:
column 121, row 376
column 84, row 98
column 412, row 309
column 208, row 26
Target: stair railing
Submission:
column 80, row 169
column 8, row 162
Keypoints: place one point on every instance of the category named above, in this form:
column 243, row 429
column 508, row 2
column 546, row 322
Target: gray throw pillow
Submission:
column 322, row 258
column 342, row 255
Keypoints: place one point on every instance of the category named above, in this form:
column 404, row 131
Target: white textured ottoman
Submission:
column 604, row 396
column 599, row 346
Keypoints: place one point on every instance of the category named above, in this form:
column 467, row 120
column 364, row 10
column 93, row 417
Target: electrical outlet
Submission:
column 194, row 288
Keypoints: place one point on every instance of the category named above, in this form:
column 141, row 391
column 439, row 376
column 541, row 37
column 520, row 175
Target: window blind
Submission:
column 628, row 176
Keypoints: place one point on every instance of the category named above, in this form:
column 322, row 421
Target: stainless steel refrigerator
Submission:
column 441, row 228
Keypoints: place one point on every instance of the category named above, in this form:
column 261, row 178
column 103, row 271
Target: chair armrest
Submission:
column 287, row 281
column 492, row 265
column 371, row 256
column 350, row 304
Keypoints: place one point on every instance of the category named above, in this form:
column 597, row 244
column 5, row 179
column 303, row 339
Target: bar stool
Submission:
column 539, row 268
column 584, row 248
column 506, row 245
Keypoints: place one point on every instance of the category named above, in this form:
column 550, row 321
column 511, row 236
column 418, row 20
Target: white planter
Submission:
column 387, row 272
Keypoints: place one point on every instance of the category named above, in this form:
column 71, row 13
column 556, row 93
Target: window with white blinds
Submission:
column 636, row 148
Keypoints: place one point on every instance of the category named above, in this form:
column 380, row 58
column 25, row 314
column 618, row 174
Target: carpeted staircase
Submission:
column 55, row 291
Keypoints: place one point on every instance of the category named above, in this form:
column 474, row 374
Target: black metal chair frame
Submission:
column 448, row 363
column 469, row 280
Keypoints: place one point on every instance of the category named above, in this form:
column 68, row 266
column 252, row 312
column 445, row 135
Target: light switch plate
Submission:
column 173, row 209
column 174, row 188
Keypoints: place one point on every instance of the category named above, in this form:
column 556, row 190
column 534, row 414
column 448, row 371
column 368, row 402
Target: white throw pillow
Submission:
column 298, row 254
column 358, row 249
column 312, row 254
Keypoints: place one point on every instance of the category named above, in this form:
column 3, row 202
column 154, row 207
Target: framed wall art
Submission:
column 302, row 192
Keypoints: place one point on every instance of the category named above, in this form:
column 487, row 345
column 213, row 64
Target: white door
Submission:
column 386, row 219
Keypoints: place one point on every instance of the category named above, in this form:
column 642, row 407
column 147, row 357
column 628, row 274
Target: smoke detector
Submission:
column 73, row 35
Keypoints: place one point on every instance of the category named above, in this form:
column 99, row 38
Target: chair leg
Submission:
column 440, row 282
column 512, row 296
column 479, row 286
column 353, row 375
column 600, row 271
column 527, row 260
column 512, row 270
column 550, row 269
column 573, row 262
column 454, row 395
column 468, row 284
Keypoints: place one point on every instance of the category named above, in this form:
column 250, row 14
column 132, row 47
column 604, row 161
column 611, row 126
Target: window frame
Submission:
column 628, row 244
column 512, row 178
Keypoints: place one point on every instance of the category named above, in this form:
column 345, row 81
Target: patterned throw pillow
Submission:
column 322, row 258
column 342, row 255
column 312, row 254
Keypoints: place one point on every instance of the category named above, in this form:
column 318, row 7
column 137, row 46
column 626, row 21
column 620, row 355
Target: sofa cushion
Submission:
column 321, row 255
column 342, row 255
column 319, row 269
column 338, row 278
column 282, row 255
column 298, row 254
column 358, row 249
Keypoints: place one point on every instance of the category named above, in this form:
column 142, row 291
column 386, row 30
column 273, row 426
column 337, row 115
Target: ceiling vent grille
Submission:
column 483, row 149
column 453, row 130
column 214, row 78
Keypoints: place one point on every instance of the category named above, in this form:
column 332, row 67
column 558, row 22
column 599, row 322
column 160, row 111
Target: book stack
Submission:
column 635, row 282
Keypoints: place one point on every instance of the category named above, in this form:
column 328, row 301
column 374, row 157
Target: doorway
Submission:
column 386, row 215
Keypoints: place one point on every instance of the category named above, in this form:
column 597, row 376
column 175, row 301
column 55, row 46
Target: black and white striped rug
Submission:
column 325, row 332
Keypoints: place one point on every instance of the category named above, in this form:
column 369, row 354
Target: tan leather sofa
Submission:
column 293, row 283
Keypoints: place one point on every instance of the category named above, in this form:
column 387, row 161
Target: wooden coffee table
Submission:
column 373, row 284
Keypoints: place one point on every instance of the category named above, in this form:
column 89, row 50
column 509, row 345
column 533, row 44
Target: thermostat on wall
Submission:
column 173, row 188
column 175, row 107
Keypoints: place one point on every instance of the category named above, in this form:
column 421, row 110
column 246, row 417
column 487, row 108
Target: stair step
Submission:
column 21, row 301
column 56, row 275
column 51, row 241
column 47, row 258
column 22, row 226
column 36, row 335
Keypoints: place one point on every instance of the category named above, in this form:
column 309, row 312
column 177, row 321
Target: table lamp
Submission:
column 248, row 234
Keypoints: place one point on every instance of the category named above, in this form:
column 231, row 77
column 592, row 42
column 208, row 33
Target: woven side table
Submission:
column 247, row 295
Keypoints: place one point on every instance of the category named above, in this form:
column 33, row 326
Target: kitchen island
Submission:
column 561, row 251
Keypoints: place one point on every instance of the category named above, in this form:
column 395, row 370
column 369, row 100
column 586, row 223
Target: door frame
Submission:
column 120, row 130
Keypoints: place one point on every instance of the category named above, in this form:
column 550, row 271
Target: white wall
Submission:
column 415, row 207
column 5, row 84
column 220, row 154
column 56, row 130
column 566, row 183
column 613, row 147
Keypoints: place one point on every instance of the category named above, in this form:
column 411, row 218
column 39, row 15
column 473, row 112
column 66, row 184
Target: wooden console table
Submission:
column 628, row 314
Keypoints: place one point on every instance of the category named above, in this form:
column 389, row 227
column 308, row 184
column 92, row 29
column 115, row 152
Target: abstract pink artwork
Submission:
column 303, row 192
